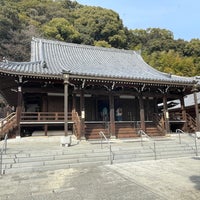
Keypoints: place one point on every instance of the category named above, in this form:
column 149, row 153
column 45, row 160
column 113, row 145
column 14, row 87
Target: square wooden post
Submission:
column 183, row 112
column 82, row 107
column 66, row 83
column 166, row 113
column 19, row 107
column 142, row 116
column 112, row 117
column 195, row 90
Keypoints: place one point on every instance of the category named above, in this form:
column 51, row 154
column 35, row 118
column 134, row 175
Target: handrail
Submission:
column 179, row 131
column 141, row 133
column 176, row 116
column 159, row 121
column 6, row 122
column 3, row 149
column 44, row 116
column 109, row 145
column 191, row 121
column 77, row 124
column 196, row 146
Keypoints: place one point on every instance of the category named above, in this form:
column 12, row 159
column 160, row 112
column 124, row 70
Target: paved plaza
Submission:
column 171, row 179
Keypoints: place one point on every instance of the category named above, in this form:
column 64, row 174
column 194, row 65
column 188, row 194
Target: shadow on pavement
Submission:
column 196, row 180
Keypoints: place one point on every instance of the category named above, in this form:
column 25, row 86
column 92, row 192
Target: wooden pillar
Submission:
column 66, row 83
column 82, row 107
column 195, row 90
column 112, row 117
column 74, row 103
column 44, row 103
column 148, row 109
column 45, row 109
column 166, row 113
column 156, row 105
column 142, row 116
column 19, row 107
column 183, row 112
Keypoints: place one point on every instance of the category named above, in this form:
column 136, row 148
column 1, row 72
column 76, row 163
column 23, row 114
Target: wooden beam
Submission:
column 42, row 90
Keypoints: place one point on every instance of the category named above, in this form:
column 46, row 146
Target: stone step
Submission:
column 92, row 155
column 30, row 169
column 23, row 159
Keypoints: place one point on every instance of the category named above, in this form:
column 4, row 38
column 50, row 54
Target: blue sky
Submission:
column 182, row 17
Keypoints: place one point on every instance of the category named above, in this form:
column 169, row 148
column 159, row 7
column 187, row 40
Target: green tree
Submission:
column 172, row 62
column 193, row 48
column 102, row 43
column 70, row 21
column 61, row 29
column 98, row 24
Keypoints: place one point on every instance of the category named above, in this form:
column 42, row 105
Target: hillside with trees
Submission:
column 69, row 21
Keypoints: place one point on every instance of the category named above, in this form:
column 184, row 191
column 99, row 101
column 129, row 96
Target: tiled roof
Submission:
column 53, row 57
column 30, row 68
column 188, row 101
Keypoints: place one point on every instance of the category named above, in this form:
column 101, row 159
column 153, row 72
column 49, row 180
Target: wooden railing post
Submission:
column 56, row 116
column 39, row 116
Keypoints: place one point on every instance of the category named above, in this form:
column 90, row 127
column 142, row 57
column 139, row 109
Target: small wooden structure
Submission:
column 80, row 87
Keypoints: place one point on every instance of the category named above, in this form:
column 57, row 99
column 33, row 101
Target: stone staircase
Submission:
column 37, row 156
column 154, row 151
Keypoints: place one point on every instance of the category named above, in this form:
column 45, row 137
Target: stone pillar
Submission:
column 142, row 116
column 166, row 113
column 66, row 83
column 19, row 107
column 112, row 117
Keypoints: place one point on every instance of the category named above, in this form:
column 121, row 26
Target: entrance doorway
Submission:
column 103, row 110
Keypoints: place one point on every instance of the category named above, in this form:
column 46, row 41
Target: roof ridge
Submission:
column 26, row 62
column 57, row 42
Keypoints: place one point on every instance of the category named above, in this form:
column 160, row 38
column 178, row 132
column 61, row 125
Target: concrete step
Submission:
column 53, row 160
column 168, row 150
column 30, row 169
column 92, row 155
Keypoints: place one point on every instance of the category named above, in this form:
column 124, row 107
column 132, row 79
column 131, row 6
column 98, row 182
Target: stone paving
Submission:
column 164, row 179
column 145, row 180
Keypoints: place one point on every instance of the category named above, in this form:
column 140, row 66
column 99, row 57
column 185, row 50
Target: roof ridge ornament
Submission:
column 5, row 60
column 44, row 64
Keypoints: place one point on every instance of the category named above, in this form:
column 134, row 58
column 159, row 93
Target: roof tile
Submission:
column 88, row 61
